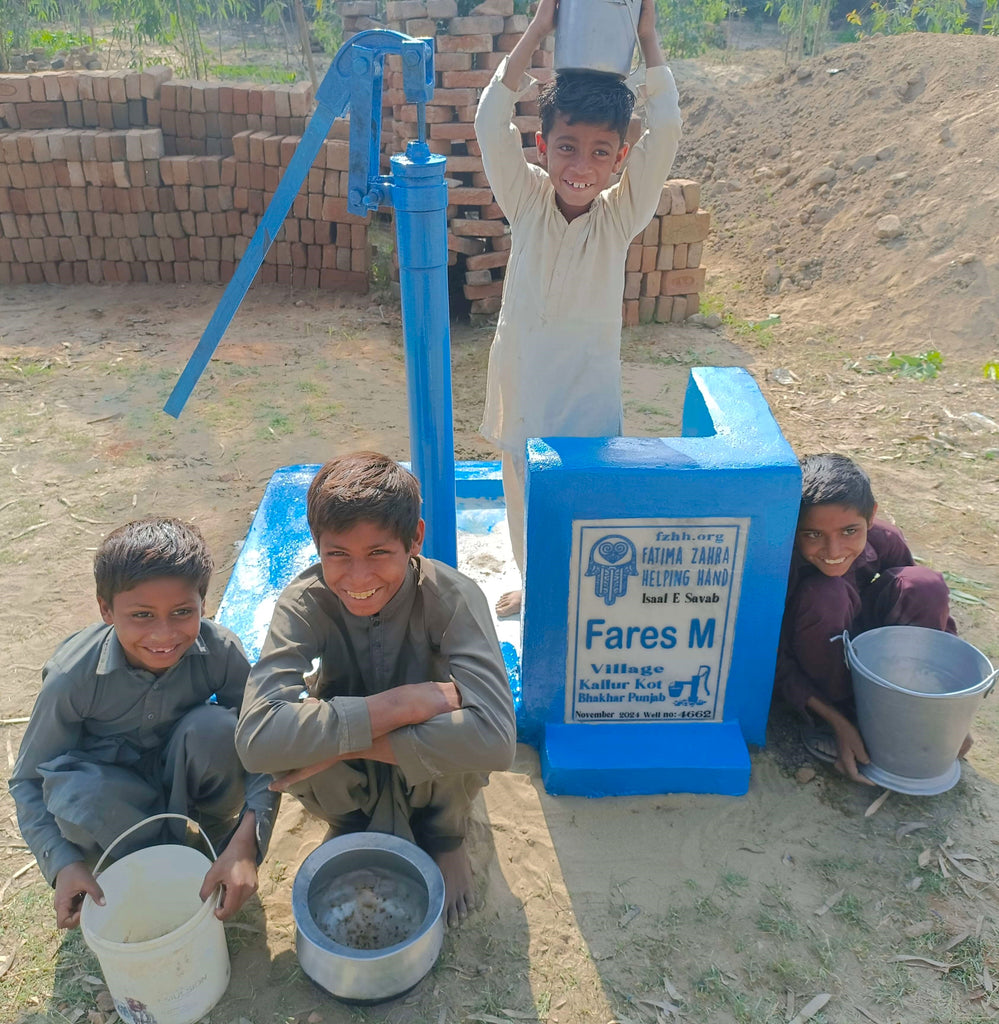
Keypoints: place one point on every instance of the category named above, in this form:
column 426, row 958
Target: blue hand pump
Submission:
column 417, row 190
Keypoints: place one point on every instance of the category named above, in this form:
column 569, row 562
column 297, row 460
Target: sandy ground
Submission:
column 706, row 909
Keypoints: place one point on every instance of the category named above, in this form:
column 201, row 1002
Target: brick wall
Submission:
column 87, row 195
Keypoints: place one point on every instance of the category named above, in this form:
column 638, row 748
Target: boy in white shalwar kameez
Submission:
column 554, row 365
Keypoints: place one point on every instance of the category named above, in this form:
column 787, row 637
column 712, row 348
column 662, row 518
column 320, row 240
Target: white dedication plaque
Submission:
column 652, row 607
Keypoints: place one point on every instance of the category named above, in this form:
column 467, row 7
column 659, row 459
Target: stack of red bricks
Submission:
column 75, row 99
column 201, row 118
column 467, row 55
column 663, row 276
column 98, row 205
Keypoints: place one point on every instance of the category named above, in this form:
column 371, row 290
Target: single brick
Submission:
column 14, row 89
column 688, row 227
column 683, row 282
column 479, row 43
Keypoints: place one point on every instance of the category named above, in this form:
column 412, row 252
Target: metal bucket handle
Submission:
column 158, row 817
column 631, row 5
column 989, row 681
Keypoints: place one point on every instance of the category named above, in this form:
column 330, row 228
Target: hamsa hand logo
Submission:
column 612, row 560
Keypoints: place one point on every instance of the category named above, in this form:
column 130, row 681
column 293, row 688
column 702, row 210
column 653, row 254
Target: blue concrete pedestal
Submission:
column 655, row 580
column 632, row 758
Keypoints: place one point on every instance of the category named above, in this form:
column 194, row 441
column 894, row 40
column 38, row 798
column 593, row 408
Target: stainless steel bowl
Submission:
column 368, row 912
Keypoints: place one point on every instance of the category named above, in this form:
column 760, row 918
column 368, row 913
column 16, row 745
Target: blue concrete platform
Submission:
column 631, row 757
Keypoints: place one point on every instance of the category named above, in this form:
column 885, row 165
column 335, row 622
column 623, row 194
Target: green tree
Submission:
column 16, row 20
column 689, row 27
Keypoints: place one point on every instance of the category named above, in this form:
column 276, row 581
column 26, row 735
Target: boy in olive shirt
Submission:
column 410, row 708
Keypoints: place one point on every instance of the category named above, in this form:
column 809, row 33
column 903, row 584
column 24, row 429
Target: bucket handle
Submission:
column 631, row 5
column 989, row 681
column 149, row 820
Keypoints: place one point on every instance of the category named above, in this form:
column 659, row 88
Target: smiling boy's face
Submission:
column 156, row 621
column 831, row 537
column 366, row 565
column 580, row 159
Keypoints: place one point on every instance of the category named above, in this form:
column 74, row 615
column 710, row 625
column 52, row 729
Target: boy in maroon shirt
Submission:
column 852, row 572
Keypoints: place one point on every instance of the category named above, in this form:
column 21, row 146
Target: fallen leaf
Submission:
column 908, row 827
column 811, row 1008
column 914, row 884
column 923, row 859
column 869, row 1016
column 956, row 861
column 830, row 903
column 877, row 805
column 921, row 961
column 956, row 941
column 661, row 1005
column 671, row 990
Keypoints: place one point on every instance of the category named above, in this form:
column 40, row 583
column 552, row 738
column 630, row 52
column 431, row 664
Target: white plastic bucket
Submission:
column 161, row 949
column 596, row 35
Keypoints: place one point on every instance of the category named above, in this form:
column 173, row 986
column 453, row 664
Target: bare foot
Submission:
column 965, row 746
column 509, row 604
column 459, row 893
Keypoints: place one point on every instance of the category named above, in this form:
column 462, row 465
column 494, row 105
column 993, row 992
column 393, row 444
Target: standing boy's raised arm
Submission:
column 648, row 36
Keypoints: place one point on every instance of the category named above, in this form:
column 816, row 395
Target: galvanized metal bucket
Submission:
column 597, row 35
column 368, row 911
column 916, row 691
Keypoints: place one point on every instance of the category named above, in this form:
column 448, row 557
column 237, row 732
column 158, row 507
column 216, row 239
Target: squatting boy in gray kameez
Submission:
column 410, row 708
column 122, row 728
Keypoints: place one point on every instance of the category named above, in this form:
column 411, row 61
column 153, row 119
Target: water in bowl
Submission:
column 370, row 908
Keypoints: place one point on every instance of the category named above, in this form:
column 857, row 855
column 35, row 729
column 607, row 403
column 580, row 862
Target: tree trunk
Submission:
column 303, row 33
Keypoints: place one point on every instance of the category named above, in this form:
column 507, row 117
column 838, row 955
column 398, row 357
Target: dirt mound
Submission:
column 857, row 188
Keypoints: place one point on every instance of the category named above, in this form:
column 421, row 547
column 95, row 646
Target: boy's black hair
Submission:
column 364, row 487
column 590, row 97
column 829, row 479
column 151, row 548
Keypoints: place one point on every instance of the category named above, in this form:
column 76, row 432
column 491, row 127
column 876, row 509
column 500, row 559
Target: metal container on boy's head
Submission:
column 596, row 35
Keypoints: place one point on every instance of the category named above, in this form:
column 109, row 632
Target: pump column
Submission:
column 419, row 196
